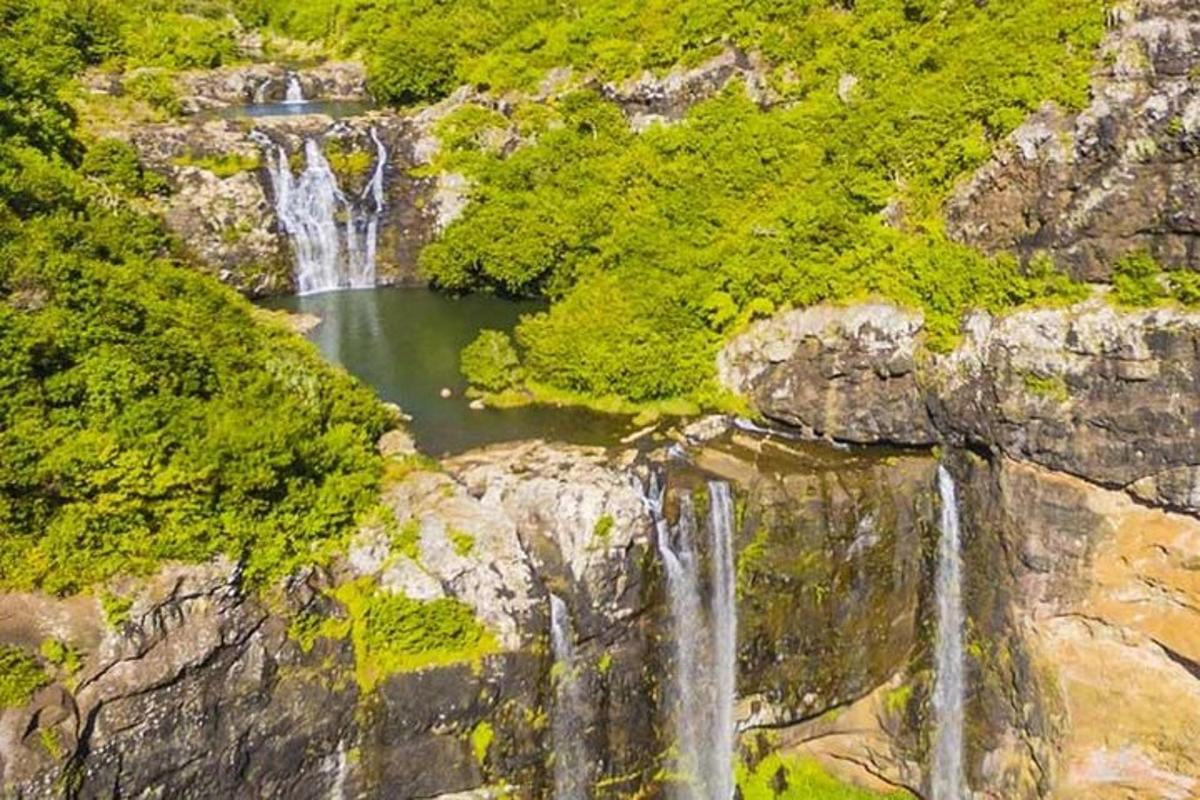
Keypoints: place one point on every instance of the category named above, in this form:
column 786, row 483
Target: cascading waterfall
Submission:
column 703, row 680
column 571, row 774
column 949, row 781
column 328, row 255
column 295, row 92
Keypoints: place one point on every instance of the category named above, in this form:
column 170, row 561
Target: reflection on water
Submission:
column 405, row 343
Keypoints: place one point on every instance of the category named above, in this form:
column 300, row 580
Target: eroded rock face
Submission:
column 844, row 373
column 1122, row 175
column 1112, row 396
column 1109, row 602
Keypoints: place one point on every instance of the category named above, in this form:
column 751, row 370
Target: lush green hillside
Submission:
column 145, row 411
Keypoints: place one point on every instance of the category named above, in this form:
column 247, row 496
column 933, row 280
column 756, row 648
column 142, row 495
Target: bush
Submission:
column 20, row 677
column 116, row 163
column 490, row 362
column 155, row 88
column 1137, row 280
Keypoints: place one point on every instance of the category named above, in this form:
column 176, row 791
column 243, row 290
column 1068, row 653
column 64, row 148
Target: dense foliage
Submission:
column 657, row 245
column 145, row 412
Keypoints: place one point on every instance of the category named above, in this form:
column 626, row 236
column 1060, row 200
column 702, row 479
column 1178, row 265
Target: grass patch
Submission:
column 223, row 165
column 482, row 736
column 463, row 542
column 783, row 777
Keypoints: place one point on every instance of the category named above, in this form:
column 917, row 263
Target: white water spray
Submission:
column 948, row 778
column 329, row 255
column 703, row 679
column 571, row 774
column 295, row 91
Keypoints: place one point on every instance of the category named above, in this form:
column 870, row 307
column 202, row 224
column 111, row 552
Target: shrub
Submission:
column 20, row 677
column 156, row 88
column 490, row 362
column 116, row 163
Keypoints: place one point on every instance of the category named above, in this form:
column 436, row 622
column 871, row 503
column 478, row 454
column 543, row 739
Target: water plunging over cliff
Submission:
column 948, row 781
column 703, row 681
column 724, row 651
column 329, row 255
column 571, row 773
column 295, row 92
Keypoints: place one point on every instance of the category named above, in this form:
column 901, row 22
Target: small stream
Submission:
column 405, row 344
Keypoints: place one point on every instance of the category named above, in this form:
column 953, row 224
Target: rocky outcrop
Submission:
column 651, row 98
column 844, row 373
column 1112, row 396
column 206, row 90
column 1121, row 175
column 222, row 205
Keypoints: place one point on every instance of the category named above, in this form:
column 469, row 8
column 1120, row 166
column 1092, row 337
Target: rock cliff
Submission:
column 1119, row 176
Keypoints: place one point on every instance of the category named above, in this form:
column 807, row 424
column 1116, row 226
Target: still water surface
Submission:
column 405, row 344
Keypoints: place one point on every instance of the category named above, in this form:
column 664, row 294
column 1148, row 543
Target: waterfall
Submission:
column 724, row 650
column 572, row 780
column 295, row 92
column 702, row 682
column 948, row 779
column 328, row 255
column 260, row 94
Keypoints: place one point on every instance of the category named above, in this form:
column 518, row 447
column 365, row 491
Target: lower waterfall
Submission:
column 948, row 781
column 702, row 684
column 572, row 779
column 333, row 235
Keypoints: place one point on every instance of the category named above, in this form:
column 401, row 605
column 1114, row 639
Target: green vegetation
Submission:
column 115, row 163
column 20, row 677
column 482, row 736
column 223, row 165
column 656, row 247
column 61, row 655
column 156, row 89
column 463, row 542
column 146, row 413
column 784, row 777
column 1139, row 280
column 116, row 609
column 603, row 527
column 1053, row 387
column 393, row 633
column 490, row 362
column 347, row 162
column 897, row 699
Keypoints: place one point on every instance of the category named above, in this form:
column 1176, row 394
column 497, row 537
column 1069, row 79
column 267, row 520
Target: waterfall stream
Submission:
column 572, row 778
column 333, row 235
column 948, row 780
column 702, row 683
column 295, row 92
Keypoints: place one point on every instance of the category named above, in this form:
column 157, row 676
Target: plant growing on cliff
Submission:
column 394, row 633
column 20, row 677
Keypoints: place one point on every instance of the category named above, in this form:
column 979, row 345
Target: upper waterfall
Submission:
column 295, row 91
column 333, row 234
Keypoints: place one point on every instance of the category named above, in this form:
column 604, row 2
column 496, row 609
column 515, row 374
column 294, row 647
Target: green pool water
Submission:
column 405, row 343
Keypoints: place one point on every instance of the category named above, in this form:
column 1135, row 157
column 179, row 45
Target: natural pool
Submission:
column 405, row 344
